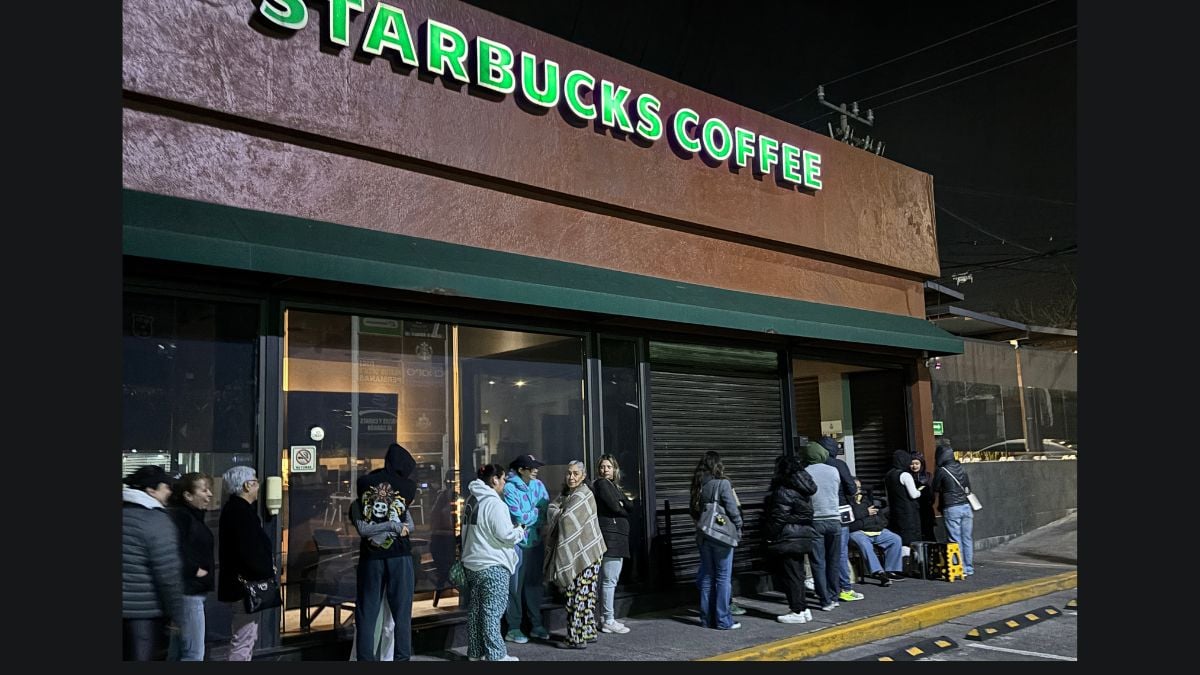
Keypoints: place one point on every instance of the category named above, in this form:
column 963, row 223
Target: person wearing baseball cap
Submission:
column 527, row 500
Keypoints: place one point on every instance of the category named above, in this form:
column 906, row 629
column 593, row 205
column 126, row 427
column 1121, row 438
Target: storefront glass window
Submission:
column 352, row 386
column 623, row 438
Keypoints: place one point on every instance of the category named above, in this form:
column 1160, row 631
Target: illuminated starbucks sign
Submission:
column 497, row 67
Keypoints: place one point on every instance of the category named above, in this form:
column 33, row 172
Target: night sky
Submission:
column 1000, row 144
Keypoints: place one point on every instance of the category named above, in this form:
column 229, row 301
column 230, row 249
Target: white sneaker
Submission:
column 807, row 615
column 510, row 657
column 792, row 617
column 810, row 584
column 613, row 627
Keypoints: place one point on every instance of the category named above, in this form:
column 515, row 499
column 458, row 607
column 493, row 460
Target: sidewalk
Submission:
column 1035, row 564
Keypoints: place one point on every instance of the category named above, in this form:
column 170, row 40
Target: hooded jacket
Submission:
column 825, row 501
column 951, row 493
column 527, row 506
column 845, row 477
column 151, row 585
column 488, row 534
column 384, row 495
column 790, row 513
column 904, row 513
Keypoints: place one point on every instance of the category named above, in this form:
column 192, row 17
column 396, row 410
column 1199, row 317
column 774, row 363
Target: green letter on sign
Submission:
column 812, row 170
column 389, row 30
column 743, row 146
column 339, row 20
column 684, row 117
column 493, row 65
column 789, row 162
column 650, row 125
column 766, row 153
column 575, row 78
column 292, row 14
column 721, row 152
column 548, row 97
column 612, row 106
column 445, row 44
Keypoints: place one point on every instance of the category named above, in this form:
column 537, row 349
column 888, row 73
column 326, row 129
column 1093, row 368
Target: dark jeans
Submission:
column 525, row 588
column 144, row 639
column 377, row 576
column 825, row 554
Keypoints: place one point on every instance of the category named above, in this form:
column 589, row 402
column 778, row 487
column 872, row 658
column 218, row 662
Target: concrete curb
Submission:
column 898, row 622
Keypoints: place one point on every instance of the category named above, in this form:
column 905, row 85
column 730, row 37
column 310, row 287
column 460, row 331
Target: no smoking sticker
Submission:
column 304, row 458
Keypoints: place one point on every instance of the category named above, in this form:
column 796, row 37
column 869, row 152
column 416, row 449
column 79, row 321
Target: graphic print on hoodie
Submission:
column 385, row 494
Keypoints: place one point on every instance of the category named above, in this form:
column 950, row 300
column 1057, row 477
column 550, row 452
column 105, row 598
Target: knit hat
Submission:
column 148, row 477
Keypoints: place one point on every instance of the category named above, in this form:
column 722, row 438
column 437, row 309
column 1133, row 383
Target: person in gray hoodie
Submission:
column 827, row 547
column 489, row 558
column 151, row 576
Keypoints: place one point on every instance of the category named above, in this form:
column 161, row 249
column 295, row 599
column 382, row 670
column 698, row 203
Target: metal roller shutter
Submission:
column 877, row 412
column 727, row 400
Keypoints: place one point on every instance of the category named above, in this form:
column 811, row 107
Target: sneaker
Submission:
column 850, row 596
column 807, row 615
column 884, row 579
column 516, row 636
column 613, row 627
column 539, row 633
column 510, row 657
column 896, row 576
column 829, row 608
column 735, row 610
column 810, row 584
column 792, row 617
column 736, row 625
column 474, row 658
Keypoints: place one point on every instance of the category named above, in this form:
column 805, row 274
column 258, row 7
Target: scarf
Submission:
column 575, row 540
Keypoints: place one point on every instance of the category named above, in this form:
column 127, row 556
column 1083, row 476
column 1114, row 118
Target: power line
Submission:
column 970, row 63
column 976, row 226
column 904, row 56
column 982, row 72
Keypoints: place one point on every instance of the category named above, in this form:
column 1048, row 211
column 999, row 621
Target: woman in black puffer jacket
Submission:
column 790, row 534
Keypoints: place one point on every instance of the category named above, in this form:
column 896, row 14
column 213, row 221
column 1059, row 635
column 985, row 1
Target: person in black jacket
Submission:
column 612, row 511
column 902, row 494
column 953, row 485
column 190, row 501
column 925, row 501
column 385, row 564
column 868, row 530
column 245, row 553
column 789, row 531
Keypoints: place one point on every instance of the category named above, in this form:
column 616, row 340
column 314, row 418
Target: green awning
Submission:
column 170, row 228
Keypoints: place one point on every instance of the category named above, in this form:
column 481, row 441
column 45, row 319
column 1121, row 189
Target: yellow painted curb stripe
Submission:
column 898, row 622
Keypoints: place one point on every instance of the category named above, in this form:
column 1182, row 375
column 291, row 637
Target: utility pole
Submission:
column 844, row 132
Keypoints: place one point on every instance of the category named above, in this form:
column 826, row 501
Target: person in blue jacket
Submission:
column 527, row 500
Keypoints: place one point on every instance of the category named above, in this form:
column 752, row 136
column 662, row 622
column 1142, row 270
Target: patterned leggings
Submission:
column 581, row 605
column 489, row 597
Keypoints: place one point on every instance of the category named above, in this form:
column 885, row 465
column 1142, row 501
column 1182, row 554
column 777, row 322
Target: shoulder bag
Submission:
column 971, row 498
column 715, row 524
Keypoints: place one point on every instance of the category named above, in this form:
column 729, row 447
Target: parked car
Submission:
column 1055, row 448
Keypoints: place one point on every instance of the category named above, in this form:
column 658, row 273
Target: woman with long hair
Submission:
column 574, row 549
column 190, row 501
column 925, row 501
column 488, row 560
column 715, row 576
column 612, row 508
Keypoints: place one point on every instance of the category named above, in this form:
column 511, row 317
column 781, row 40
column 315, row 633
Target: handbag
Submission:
column 261, row 594
column 971, row 498
column 715, row 524
column 458, row 575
